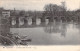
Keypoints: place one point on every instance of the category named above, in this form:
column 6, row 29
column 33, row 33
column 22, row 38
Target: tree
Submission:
column 21, row 13
column 50, row 8
column 53, row 8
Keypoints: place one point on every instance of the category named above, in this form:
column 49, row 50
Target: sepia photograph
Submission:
column 39, row 22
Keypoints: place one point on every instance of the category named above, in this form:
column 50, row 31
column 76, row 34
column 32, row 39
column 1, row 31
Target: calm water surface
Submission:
column 52, row 34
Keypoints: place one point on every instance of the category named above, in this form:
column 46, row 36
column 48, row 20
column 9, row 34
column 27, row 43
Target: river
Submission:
column 56, row 33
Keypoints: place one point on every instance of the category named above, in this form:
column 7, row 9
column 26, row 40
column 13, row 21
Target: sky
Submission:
column 37, row 4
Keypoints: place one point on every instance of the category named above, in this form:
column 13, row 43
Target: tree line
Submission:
column 50, row 11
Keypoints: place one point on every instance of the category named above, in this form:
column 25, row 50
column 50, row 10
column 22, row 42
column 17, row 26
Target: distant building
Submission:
column 6, row 13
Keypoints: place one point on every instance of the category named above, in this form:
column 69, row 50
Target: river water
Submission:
column 56, row 33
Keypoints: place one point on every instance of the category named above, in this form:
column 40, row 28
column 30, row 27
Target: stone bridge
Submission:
column 29, row 21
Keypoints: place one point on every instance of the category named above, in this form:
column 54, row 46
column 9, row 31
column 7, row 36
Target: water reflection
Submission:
column 53, row 33
column 56, row 27
column 63, row 29
column 77, row 25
